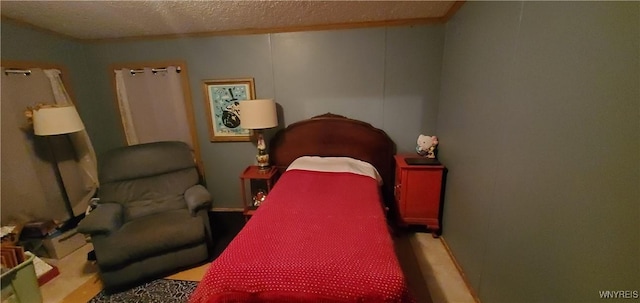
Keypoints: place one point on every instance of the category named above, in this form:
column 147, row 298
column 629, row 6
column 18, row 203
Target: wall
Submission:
column 24, row 44
column 539, row 126
column 388, row 77
column 308, row 73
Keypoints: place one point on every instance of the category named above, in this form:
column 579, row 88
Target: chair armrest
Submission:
column 197, row 197
column 106, row 218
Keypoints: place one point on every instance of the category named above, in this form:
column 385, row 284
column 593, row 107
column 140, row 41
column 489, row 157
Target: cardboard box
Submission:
column 60, row 244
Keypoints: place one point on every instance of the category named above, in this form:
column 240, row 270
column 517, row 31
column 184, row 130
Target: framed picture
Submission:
column 222, row 100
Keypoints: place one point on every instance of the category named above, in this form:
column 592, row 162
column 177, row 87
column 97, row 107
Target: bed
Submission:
column 321, row 234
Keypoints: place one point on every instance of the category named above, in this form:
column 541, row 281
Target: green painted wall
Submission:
column 539, row 125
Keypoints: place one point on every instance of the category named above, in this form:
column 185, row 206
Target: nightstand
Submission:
column 418, row 193
column 260, row 183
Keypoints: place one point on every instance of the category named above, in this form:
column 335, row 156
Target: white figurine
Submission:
column 427, row 146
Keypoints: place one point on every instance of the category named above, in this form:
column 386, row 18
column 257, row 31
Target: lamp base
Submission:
column 262, row 157
column 263, row 161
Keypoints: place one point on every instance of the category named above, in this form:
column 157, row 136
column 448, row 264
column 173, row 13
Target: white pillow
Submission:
column 336, row 164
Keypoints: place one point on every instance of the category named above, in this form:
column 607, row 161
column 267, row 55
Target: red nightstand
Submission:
column 418, row 193
column 259, row 182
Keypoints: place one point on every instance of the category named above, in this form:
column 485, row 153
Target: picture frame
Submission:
column 222, row 99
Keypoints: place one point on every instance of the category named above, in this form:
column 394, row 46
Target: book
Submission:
column 16, row 251
column 12, row 256
column 44, row 271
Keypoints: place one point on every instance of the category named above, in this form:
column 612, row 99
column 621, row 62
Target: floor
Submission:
column 430, row 271
column 74, row 272
column 443, row 279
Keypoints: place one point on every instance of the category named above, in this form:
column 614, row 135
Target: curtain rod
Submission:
column 26, row 72
column 154, row 70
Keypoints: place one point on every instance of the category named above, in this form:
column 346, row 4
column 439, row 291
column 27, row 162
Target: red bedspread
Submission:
column 318, row 237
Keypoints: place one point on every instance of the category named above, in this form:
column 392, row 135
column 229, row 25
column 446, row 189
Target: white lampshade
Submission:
column 56, row 120
column 258, row 114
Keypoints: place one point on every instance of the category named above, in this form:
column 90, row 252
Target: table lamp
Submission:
column 258, row 115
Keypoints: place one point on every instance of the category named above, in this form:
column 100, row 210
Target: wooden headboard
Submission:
column 331, row 135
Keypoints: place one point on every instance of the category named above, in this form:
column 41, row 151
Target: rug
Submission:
column 157, row 291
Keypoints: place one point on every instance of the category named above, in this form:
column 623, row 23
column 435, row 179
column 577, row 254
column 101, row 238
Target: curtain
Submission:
column 125, row 112
column 29, row 189
column 82, row 190
column 152, row 106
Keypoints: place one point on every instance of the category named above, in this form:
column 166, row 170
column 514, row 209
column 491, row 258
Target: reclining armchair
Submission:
column 152, row 218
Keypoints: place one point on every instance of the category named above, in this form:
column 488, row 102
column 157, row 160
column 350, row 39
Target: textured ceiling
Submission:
column 122, row 19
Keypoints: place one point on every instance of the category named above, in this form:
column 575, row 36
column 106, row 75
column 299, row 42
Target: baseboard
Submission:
column 226, row 209
column 459, row 268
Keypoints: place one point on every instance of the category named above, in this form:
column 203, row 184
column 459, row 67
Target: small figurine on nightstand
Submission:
column 427, row 146
column 259, row 198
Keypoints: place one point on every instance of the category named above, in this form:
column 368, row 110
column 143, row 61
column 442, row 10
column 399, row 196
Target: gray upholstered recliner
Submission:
column 152, row 217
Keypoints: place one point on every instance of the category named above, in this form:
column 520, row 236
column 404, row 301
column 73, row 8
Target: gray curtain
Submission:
column 152, row 106
column 29, row 186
